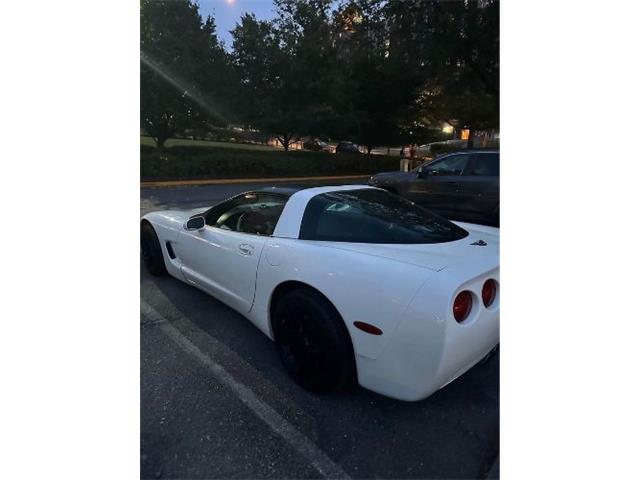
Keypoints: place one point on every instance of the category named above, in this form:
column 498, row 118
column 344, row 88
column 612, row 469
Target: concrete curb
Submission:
column 192, row 183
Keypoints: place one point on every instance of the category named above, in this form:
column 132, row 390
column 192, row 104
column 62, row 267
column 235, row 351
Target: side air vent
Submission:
column 170, row 250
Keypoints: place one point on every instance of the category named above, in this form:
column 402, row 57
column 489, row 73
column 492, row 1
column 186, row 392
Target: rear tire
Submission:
column 313, row 342
column 151, row 250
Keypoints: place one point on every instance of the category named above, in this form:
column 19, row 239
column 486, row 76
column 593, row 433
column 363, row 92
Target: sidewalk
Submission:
column 222, row 181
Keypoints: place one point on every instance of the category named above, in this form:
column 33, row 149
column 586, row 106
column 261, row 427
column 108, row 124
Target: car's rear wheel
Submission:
column 151, row 250
column 312, row 341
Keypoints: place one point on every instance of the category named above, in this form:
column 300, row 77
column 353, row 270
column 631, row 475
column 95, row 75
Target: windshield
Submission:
column 373, row 216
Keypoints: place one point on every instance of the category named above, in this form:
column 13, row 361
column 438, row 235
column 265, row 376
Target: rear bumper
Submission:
column 429, row 349
column 413, row 382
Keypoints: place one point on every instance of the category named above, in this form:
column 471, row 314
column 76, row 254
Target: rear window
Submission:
column 373, row 216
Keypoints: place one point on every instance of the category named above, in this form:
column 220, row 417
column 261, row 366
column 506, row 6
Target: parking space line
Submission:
column 323, row 464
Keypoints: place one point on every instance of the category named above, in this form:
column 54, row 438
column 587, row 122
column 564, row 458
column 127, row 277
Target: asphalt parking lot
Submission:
column 215, row 402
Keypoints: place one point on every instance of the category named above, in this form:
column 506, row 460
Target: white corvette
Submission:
column 350, row 282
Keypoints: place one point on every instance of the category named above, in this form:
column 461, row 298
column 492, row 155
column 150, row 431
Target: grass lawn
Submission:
column 175, row 142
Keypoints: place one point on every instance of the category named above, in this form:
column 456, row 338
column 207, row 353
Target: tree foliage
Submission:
column 369, row 104
column 379, row 72
column 457, row 47
column 286, row 69
column 184, row 71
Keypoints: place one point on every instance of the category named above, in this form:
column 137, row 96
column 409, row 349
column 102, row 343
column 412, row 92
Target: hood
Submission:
column 436, row 256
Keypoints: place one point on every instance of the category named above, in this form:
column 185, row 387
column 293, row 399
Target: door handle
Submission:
column 245, row 249
column 453, row 183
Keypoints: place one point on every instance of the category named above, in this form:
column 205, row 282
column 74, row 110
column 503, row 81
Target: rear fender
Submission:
column 361, row 288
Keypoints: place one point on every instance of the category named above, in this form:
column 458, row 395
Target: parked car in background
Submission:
column 316, row 145
column 347, row 147
column 463, row 185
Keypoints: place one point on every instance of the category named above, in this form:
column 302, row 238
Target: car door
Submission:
column 222, row 258
column 437, row 185
column 480, row 188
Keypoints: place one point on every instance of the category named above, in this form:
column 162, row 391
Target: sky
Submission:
column 228, row 12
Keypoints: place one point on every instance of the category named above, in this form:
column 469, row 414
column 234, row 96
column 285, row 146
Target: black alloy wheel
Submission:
column 312, row 341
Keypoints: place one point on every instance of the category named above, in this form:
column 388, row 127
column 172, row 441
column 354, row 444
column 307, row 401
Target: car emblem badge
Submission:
column 481, row 243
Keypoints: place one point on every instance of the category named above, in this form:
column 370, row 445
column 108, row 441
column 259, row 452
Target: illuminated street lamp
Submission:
column 448, row 129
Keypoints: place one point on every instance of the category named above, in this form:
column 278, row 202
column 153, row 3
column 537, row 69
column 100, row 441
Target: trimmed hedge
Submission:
column 147, row 149
column 186, row 162
column 442, row 148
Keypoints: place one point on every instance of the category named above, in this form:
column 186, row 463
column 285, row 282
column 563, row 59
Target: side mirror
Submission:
column 423, row 172
column 195, row 223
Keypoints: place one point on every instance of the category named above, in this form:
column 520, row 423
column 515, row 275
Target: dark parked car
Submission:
column 347, row 147
column 315, row 144
column 460, row 186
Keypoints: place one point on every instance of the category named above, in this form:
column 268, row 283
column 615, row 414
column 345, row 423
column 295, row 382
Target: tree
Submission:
column 382, row 60
column 182, row 69
column 369, row 101
column 257, row 59
column 413, row 66
column 458, row 51
column 286, row 69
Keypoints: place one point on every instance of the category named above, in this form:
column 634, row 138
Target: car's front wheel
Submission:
column 312, row 341
column 151, row 250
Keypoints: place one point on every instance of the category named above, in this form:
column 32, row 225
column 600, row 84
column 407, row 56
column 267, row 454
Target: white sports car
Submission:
column 349, row 281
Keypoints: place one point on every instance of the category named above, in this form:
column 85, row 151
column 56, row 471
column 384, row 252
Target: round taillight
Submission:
column 462, row 306
column 489, row 290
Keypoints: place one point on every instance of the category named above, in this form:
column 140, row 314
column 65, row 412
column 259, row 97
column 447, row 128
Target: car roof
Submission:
column 288, row 225
column 287, row 191
column 463, row 151
column 474, row 150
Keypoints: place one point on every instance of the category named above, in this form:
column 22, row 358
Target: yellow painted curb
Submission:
column 184, row 183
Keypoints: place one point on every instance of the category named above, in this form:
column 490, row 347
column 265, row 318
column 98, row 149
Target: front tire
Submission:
column 312, row 341
column 151, row 251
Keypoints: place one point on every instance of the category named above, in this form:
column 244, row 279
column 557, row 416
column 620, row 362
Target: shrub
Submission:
column 186, row 162
column 147, row 149
column 440, row 148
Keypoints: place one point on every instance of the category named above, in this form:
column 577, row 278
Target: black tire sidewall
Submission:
column 155, row 265
column 324, row 319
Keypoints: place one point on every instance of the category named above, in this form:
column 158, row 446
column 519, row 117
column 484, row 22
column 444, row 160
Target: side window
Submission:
column 486, row 165
column 453, row 165
column 254, row 213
